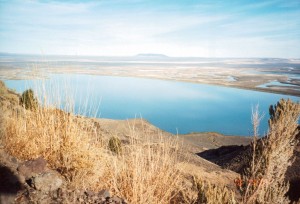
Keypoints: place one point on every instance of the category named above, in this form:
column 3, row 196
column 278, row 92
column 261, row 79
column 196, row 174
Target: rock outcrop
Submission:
column 32, row 182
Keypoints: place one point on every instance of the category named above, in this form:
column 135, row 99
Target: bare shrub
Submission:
column 212, row 194
column 272, row 155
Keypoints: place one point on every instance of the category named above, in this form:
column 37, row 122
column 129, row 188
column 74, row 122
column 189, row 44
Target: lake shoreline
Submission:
column 173, row 106
column 239, row 84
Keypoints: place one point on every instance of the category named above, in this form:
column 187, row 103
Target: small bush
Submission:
column 114, row 145
column 211, row 194
column 28, row 100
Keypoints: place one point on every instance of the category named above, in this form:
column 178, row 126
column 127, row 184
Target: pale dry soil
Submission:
column 243, row 78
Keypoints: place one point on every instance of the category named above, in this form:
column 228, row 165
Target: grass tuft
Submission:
column 114, row 145
column 212, row 194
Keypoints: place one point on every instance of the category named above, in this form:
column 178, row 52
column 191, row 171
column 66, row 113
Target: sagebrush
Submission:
column 272, row 155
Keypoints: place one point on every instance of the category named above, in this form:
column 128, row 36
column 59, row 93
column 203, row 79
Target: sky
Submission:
column 182, row 28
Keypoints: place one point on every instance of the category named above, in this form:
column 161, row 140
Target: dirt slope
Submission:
column 190, row 164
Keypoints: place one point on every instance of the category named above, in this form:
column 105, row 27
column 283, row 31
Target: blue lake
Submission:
column 172, row 106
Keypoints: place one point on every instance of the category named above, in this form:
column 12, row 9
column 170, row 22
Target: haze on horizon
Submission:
column 205, row 28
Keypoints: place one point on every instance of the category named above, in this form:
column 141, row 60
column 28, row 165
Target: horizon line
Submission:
column 136, row 55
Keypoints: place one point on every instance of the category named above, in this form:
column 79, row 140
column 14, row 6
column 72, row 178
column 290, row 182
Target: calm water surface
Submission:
column 172, row 106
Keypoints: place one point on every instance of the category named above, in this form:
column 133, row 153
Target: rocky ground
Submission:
column 33, row 182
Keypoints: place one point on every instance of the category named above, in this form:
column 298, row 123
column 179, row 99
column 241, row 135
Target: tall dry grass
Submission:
column 264, row 180
column 144, row 172
column 272, row 155
column 64, row 140
column 212, row 194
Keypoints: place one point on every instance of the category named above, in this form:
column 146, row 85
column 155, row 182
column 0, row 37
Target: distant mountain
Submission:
column 151, row 55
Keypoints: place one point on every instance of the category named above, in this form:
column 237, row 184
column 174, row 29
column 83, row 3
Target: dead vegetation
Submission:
column 212, row 194
column 62, row 139
column 143, row 171
column 264, row 182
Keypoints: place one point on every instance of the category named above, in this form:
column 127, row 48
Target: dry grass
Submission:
column 212, row 194
column 144, row 172
column 8, row 98
column 62, row 139
column 264, row 181
column 272, row 155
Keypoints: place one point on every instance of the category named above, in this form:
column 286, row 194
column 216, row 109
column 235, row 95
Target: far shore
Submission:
column 233, row 78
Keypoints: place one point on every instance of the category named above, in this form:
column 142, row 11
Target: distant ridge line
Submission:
column 151, row 55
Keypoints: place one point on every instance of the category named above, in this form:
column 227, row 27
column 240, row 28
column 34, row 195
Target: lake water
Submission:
column 277, row 83
column 172, row 106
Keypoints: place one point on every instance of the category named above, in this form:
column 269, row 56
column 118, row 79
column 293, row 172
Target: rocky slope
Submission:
column 33, row 181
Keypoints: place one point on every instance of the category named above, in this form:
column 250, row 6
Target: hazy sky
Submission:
column 208, row 28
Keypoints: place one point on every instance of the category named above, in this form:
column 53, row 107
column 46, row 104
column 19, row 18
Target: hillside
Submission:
column 52, row 156
column 188, row 163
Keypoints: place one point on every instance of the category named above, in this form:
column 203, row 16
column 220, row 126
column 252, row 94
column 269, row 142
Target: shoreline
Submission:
column 240, row 78
column 281, row 91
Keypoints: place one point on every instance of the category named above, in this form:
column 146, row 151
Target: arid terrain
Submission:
column 267, row 75
column 149, row 102
column 15, row 186
column 37, row 179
